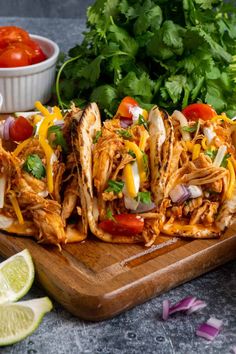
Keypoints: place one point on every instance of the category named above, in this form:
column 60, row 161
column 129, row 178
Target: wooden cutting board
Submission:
column 95, row 280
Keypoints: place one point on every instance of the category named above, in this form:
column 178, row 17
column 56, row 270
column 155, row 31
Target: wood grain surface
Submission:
column 95, row 280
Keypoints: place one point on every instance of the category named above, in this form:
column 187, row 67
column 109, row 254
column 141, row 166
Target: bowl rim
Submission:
column 35, row 67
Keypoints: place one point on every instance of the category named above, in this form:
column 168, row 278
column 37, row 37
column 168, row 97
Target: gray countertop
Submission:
column 141, row 329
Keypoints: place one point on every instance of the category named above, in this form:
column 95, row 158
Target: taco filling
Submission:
column 39, row 182
column 199, row 194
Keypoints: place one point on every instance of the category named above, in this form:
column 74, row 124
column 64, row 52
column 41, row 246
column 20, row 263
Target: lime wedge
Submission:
column 16, row 276
column 18, row 320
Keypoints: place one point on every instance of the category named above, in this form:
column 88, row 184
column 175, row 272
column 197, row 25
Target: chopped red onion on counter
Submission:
column 189, row 304
column 197, row 306
column 210, row 329
column 165, row 309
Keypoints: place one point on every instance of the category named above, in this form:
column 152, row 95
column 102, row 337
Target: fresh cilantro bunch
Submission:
column 170, row 53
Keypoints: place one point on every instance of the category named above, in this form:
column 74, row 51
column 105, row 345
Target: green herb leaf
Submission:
column 210, row 153
column 156, row 53
column 55, row 137
column 131, row 153
column 124, row 133
column 34, row 166
column 142, row 121
column 144, row 197
column 224, row 162
column 97, row 136
column 115, row 186
column 191, row 129
column 109, row 215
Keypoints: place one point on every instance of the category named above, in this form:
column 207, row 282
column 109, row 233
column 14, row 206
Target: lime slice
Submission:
column 16, row 276
column 18, row 320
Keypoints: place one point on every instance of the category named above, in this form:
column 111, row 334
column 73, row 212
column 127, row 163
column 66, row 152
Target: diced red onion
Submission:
column 5, row 222
column 2, row 190
column 1, row 102
column 183, row 123
column 165, row 311
column 131, row 203
column 197, row 305
column 210, row 329
column 183, row 305
column 188, row 305
column 179, row 194
column 214, row 322
column 60, row 122
column 209, row 134
column 6, row 128
column 125, row 123
column 220, row 155
column 143, row 208
column 194, row 191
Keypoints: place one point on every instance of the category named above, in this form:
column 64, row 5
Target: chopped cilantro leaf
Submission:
column 131, row 153
column 55, row 137
column 115, row 186
column 97, row 136
column 210, row 153
column 124, row 133
column 144, row 197
column 224, row 162
column 34, row 166
column 110, row 215
column 142, row 121
column 191, row 129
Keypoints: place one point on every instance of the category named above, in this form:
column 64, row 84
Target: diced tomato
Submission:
column 124, row 108
column 12, row 34
column 123, row 224
column 199, row 110
column 20, row 129
column 38, row 54
column 13, row 57
column 18, row 49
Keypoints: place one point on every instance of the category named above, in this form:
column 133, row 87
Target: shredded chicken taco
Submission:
column 39, row 193
column 198, row 193
column 119, row 168
column 125, row 180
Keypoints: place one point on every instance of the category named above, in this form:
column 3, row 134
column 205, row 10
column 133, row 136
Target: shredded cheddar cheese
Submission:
column 57, row 112
column 196, row 151
column 16, row 207
column 225, row 118
column 143, row 140
column 204, row 143
column 129, row 180
column 189, row 145
column 232, row 180
column 21, row 146
column 41, row 108
column 139, row 156
column 145, row 114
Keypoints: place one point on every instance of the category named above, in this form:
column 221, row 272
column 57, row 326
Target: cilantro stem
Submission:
column 60, row 102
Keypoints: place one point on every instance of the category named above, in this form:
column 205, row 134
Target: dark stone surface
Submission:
column 141, row 329
column 45, row 8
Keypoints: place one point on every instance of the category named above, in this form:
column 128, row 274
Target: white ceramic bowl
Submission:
column 21, row 87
